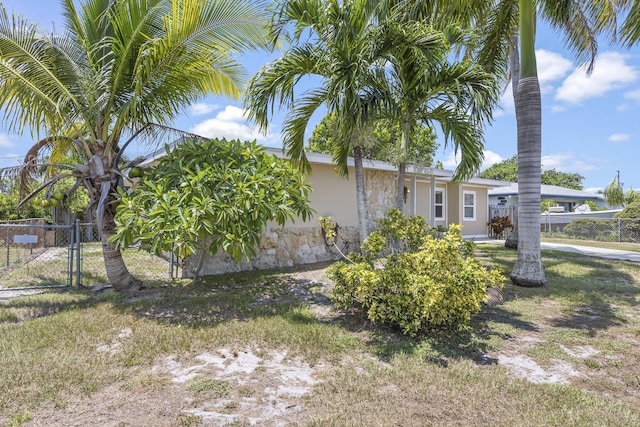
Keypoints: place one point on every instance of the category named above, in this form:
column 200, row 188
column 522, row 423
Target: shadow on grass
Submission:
column 595, row 285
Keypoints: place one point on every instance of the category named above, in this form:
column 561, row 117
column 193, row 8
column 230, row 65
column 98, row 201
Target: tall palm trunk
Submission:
column 528, row 270
column 402, row 166
column 402, row 169
column 117, row 272
column 514, row 64
column 361, row 195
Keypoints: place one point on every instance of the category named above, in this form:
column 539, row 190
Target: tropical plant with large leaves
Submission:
column 122, row 71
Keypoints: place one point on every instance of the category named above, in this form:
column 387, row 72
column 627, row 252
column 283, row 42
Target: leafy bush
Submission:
column 590, row 228
column 499, row 224
column 439, row 285
column 631, row 211
column 401, row 233
column 630, row 222
column 211, row 195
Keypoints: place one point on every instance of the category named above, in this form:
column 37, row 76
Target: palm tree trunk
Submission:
column 528, row 270
column 117, row 273
column 361, row 195
column 402, row 168
column 514, row 64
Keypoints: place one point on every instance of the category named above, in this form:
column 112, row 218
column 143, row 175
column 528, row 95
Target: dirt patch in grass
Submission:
column 224, row 387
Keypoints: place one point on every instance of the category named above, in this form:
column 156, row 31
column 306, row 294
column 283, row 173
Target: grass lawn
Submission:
column 268, row 349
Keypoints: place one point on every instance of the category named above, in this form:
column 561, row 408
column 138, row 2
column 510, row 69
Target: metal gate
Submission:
column 35, row 254
column 38, row 255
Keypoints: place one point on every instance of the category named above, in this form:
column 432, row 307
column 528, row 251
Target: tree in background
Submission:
column 211, row 195
column 122, row 71
column 562, row 179
column 380, row 144
column 613, row 194
column 507, row 170
column 630, row 196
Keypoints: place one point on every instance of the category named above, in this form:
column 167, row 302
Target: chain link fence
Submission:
column 601, row 229
column 35, row 254
column 141, row 264
column 598, row 225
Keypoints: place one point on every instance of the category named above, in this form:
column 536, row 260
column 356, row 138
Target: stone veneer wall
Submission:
column 381, row 193
column 279, row 247
column 288, row 247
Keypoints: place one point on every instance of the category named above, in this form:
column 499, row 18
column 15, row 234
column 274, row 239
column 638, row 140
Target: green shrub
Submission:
column 631, row 211
column 404, row 234
column 630, row 222
column 440, row 285
column 590, row 228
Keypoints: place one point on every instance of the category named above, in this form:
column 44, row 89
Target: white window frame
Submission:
column 435, row 204
column 465, row 206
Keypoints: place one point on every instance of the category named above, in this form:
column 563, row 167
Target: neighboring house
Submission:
column 430, row 193
column 567, row 198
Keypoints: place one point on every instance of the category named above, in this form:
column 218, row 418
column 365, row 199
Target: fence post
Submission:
column 619, row 231
column 78, row 266
column 71, row 242
column 8, row 247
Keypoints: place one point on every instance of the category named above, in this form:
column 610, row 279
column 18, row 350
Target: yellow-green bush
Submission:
column 440, row 285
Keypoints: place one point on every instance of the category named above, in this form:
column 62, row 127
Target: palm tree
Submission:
column 428, row 88
column 122, row 71
column 500, row 21
column 338, row 53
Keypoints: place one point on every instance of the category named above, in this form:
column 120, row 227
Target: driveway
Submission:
column 584, row 250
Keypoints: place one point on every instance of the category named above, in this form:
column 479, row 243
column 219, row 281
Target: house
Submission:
column 430, row 193
column 567, row 198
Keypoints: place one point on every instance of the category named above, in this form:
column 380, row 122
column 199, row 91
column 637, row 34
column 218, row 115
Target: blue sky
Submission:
column 591, row 125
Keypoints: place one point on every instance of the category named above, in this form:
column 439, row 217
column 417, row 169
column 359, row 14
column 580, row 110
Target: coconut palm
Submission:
column 123, row 70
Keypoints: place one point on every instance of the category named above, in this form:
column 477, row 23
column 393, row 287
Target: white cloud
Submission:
column 5, row 141
column 610, row 72
column 619, row 137
column 558, row 108
column 565, row 162
column 506, row 102
column 551, row 67
column 232, row 114
column 230, row 123
column 201, row 109
column 633, row 95
column 490, row 158
column 451, row 161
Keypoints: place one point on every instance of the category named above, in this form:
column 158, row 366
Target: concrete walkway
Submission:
column 584, row 250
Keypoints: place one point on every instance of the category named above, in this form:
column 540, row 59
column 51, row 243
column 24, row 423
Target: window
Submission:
column 439, row 204
column 469, row 207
